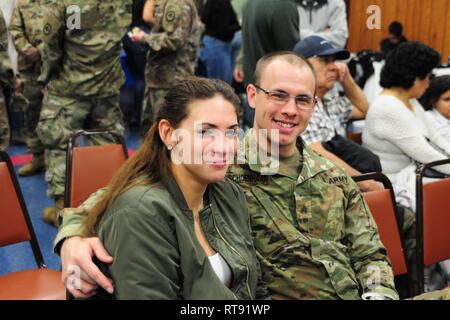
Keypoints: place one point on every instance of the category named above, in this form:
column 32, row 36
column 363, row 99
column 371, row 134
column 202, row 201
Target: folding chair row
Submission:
column 385, row 212
column 15, row 226
column 433, row 219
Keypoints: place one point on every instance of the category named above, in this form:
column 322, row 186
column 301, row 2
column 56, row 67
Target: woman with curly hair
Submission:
column 437, row 101
column 396, row 127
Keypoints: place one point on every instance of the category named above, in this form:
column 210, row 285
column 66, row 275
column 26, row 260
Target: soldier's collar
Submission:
column 249, row 154
column 312, row 163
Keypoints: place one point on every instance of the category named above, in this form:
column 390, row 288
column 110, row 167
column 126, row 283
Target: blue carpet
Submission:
column 19, row 256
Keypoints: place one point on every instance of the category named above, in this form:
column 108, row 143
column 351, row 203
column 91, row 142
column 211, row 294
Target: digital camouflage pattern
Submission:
column 173, row 42
column 315, row 236
column 154, row 98
column 26, row 29
column 82, row 70
column 60, row 118
column 85, row 61
column 6, row 79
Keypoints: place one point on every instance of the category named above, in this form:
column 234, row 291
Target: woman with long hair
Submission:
column 177, row 228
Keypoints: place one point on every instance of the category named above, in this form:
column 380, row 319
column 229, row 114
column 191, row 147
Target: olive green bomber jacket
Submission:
column 149, row 230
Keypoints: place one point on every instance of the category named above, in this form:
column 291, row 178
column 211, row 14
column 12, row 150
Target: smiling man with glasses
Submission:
column 281, row 98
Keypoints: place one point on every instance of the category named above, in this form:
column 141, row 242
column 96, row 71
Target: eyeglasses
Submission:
column 281, row 98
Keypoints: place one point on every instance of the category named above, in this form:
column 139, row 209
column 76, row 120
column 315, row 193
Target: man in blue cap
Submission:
column 328, row 123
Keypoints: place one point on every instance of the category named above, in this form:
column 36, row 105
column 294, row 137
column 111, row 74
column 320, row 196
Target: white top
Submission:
column 372, row 88
column 440, row 123
column 397, row 135
column 221, row 268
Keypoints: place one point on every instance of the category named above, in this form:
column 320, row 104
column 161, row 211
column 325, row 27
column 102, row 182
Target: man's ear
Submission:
column 251, row 95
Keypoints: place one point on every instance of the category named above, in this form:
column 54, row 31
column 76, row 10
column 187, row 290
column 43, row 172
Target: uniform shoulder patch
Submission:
column 339, row 179
column 47, row 30
column 172, row 13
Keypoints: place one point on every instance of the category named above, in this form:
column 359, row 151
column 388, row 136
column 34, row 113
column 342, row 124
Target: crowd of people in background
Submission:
column 219, row 231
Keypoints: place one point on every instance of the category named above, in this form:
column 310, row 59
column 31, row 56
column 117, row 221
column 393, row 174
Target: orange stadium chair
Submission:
column 433, row 220
column 384, row 210
column 355, row 137
column 15, row 226
column 90, row 168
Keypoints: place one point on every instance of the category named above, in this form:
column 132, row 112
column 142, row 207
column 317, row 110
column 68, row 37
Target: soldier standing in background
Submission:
column 6, row 79
column 173, row 42
column 26, row 30
column 82, row 41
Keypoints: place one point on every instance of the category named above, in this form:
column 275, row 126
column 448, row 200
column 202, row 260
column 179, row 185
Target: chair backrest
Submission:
column 433, row 219
column 15, row 223
column 384, row 210
column 90, row 168
column 380, row 204
column 355, row 137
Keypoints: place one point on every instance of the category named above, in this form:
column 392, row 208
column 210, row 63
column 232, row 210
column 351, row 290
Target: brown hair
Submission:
column 286, row 56
column 152, row 160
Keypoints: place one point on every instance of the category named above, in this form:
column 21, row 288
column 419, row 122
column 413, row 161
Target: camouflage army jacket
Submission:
column 314, row 235
column 82, row 41
column 173, row 41
column 6, row 71
column 26, row 29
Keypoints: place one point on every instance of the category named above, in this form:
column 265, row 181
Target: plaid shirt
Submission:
column 329, row 118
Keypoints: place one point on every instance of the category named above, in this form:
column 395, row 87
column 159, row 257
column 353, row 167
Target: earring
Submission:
column 170, row 147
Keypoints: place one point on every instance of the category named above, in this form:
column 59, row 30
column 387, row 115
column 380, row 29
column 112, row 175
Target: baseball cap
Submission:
column 315, row 46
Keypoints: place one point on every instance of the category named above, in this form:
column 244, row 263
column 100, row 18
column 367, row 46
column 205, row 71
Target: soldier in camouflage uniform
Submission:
column 173, row 42
column 26, row 30
column 314, row 234
column 82, row 72
column 6, row 79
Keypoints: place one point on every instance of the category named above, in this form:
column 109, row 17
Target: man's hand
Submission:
column 238, row 75
column 343, row 72
column 33, row 54
column 370, row 185
column 137, row 36
column 78, row 252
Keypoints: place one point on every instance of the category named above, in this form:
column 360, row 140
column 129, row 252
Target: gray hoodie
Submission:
column 318, row 15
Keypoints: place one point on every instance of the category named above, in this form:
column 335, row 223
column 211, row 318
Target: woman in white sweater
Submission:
column 398, row 131
column 396, row 128
column 437, row 101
